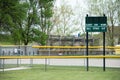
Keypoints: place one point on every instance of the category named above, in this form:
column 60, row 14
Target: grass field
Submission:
column 37, row 72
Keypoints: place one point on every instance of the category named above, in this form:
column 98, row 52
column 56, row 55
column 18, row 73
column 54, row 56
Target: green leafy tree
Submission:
column 38, row 22
column 45, row 14
column 29, row 23
column 11, row 13
column 21, row 18
column 39, row 37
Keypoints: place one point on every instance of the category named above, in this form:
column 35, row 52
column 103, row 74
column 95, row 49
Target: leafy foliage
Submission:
column 46, row 12
column 39, row 37
column 11, row 12
column 23, row 19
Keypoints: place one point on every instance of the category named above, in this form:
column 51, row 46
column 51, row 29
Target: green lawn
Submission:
column 61, row 73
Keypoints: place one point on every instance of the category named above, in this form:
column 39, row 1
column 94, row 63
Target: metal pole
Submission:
column 17, row 58
column 87, row 61
column 17, row 62
column 0, row 55
column 31, row 59
column 45, row 64
column 3, row 61
column 104, row 51
column 3, row 65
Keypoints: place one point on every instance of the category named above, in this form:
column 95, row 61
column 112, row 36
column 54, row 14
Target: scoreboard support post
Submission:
column 95, row 24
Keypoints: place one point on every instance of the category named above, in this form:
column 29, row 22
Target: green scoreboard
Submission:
column 96, row 24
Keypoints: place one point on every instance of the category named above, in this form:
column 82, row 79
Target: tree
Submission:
column 110, row 9
column 33, row 28
column 64, row 20
column 11, row 13
column 45, row 13
column 118, row 10
column 80, row 17
column 26, row 27
column 39, row 37
column 22, row 18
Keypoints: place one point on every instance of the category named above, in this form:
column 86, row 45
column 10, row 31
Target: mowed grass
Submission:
column 38, row 72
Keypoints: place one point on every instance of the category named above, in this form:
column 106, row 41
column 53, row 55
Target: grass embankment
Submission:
column 61, row 73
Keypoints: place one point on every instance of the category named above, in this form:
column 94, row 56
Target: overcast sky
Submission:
column 72, row 2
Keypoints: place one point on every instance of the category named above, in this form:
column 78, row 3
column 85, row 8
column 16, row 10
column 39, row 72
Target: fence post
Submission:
column 3, row 63
column 45, row 64
column 0, row 59
column 31, row 60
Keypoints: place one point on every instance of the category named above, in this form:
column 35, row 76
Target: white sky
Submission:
column 72, row 2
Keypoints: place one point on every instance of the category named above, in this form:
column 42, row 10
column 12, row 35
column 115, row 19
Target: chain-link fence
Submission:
column 16, row 50
column 29, row 51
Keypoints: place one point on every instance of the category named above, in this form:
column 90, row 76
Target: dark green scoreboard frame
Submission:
column 96, row 24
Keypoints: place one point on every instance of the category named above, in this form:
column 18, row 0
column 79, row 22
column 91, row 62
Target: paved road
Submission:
column 17, row 68
column 69, row 62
